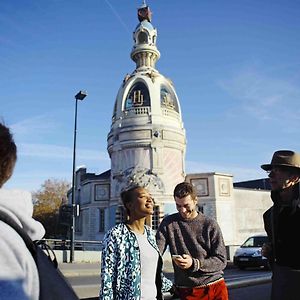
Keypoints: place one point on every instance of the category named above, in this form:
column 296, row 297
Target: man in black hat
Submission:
column 282, row 222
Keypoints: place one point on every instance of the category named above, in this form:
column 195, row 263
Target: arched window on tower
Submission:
column 143, row 37
column 168, row 98
column 154, row 39
column 138, row 96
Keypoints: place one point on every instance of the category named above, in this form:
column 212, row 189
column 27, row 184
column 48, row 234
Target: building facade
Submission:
column 238, row 210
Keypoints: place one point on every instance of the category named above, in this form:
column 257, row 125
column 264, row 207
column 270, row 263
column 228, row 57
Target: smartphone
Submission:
column 175, row 256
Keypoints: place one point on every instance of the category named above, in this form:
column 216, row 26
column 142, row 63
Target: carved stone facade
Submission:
column 238, row 210
column 147, row 135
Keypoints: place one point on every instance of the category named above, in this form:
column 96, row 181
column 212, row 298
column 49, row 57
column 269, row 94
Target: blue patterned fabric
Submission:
column 121, row 267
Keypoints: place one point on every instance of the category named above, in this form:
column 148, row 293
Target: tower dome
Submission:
column 147, row 136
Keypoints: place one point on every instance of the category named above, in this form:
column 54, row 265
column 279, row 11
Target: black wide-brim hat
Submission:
column 284, row 158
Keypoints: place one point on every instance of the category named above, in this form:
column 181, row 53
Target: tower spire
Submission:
column 144, row 52
column 144, row 12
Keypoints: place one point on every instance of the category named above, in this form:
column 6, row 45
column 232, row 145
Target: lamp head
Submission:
column 81, row 95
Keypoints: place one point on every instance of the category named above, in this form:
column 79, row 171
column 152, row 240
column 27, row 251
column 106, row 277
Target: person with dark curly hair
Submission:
column 19, row 277
column 8, row 154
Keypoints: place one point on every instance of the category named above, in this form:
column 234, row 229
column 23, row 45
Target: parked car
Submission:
column 249, row 253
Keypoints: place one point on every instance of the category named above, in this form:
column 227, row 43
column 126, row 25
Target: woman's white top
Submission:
column 149, row 259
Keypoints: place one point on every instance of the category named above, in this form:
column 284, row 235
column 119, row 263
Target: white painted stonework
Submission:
column 147, row 131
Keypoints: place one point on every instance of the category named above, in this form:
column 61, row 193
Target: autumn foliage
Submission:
column 47, row 201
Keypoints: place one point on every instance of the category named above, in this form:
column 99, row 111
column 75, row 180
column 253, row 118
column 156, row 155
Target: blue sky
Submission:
column 235, row 65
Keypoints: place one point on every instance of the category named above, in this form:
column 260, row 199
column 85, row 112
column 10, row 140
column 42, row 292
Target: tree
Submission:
column 47, row 201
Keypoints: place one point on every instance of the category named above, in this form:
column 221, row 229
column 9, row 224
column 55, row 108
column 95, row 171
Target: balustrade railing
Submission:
column 60, row 244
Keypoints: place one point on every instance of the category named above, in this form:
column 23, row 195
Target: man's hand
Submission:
column 185, row 262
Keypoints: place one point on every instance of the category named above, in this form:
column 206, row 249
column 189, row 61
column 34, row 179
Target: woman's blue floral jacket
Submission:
column 121, row 268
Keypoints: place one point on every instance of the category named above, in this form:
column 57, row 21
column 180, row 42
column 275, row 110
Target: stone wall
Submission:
column 249, row 208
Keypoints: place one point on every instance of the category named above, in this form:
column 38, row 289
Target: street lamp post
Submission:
column 79, row 96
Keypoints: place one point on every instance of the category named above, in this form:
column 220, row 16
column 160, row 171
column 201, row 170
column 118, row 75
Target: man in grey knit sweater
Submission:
column 197, row 248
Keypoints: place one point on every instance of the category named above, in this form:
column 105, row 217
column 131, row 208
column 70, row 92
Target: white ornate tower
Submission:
column 147, row 137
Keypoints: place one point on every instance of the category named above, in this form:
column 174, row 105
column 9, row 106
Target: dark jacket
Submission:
column 285, row 235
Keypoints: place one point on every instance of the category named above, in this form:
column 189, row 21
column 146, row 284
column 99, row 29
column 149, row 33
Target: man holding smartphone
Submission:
column 197, row 248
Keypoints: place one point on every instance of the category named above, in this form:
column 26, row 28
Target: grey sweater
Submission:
column 202, row 239
column 19, row 277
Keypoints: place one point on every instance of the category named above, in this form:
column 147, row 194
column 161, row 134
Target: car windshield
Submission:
column 256, row 241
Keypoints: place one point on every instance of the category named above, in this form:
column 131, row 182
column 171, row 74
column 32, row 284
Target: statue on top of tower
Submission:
column 144, row 12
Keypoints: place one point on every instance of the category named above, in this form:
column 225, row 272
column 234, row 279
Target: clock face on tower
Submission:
column 101, row 192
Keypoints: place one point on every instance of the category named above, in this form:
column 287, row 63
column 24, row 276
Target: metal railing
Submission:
column 59, row 244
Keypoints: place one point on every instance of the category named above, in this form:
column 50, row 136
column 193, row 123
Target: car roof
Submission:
column 258, row 235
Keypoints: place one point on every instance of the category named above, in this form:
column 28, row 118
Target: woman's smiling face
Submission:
column 142, row 203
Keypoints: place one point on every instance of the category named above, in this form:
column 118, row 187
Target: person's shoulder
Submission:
column 14, row 250
column 16, row 262
column 10, row 235
column 207, row 219
column 117, row 230
column 267, row 213
column 201, row 216
column 115, row 236
column 170, row 219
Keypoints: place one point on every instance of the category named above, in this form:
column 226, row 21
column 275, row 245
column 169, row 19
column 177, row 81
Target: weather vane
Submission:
column 144, row 12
